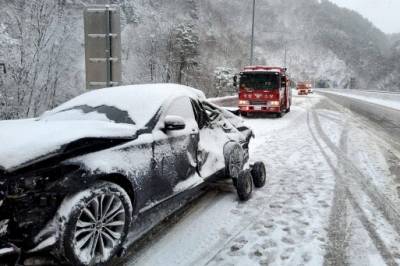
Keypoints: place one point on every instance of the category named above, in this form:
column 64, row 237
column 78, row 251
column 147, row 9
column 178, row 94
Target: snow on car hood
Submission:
column 27, row 140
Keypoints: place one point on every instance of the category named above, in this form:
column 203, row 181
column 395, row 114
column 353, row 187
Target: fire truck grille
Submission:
column 258, row 103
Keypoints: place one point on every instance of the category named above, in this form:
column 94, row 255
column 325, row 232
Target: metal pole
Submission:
column 252, row 34
column 108, row 46
column 285, row 55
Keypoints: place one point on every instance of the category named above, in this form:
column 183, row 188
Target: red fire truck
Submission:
column 264, row 89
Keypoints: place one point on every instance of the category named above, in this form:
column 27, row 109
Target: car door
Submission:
column 175, row 150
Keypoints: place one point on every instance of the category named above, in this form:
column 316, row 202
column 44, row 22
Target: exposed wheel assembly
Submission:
column 259, row 174
column 234, row 159
column 244, row 185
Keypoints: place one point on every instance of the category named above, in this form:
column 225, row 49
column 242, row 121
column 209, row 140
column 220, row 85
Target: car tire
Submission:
column 234, row 159
column 95, row 224
column 244, row 185
column 259, row 174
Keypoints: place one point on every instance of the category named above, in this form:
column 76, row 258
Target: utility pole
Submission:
column 284, row 65
column 252, row 34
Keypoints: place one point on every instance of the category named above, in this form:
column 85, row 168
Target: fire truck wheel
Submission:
column 244, row 185
column 244, row 113
column 259, row 174
column 287, row 110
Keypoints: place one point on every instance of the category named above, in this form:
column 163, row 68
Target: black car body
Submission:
column 75, row 181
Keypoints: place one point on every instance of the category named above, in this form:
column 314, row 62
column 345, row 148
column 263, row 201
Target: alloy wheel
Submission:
column 100, row 226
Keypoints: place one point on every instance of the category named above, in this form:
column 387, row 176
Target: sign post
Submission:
column 352, row 83
column 102, row 46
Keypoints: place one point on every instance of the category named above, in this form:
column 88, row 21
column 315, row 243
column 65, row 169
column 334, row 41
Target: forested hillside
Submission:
column 196, row 43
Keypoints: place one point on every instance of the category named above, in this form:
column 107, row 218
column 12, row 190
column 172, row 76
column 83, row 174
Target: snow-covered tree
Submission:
column 186, row 50
column 36, row 52
column 223, row 81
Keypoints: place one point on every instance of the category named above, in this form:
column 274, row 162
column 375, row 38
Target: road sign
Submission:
column 102, row 46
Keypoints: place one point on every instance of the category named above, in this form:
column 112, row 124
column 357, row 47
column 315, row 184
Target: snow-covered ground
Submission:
column 331, row 198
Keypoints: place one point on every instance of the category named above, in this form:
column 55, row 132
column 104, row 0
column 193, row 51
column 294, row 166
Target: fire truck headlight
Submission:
column 244, row 102
column 274, row 103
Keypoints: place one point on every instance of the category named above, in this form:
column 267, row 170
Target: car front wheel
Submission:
column 96, row 223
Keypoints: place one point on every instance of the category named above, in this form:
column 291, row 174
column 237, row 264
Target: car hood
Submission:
column 27, row 141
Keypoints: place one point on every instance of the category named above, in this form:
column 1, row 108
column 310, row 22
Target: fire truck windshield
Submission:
column 259, row 81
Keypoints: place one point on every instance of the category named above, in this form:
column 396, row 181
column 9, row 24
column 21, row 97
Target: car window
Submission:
column 182, row 107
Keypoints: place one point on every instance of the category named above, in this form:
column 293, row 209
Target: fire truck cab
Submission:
column 264, row 89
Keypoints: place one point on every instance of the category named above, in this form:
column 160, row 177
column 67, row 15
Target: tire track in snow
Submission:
column 336, row 251
column 390, row 212
column 338, row 233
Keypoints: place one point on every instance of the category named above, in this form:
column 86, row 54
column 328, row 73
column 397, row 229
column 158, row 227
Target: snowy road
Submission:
column 331, row 198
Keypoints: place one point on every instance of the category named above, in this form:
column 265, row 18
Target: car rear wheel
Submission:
column 96, row 223
column 244, row 185
column 259, row 174
column 234, row 160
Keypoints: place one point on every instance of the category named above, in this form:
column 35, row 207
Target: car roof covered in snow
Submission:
column 140, row 101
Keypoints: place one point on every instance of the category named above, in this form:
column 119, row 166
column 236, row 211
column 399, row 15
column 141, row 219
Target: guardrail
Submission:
column 387, row 95
column 227, row 101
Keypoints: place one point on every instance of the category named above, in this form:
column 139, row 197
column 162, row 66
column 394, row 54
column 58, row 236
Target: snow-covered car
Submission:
column 77, row 180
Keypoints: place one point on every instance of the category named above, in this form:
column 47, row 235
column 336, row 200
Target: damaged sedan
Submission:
column 81, row 181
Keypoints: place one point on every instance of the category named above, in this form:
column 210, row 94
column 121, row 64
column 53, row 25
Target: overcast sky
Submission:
column 384, row 14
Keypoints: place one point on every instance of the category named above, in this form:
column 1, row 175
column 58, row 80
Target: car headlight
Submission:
column 244, row 102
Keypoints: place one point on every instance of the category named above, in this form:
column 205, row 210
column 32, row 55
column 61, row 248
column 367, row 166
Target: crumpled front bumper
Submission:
column 9, row 251
column 6, row 248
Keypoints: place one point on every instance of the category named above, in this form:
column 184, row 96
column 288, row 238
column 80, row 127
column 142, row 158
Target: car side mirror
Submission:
column 173, row 122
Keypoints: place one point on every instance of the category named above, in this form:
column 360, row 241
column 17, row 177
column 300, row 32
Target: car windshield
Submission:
column 259, row 81
column 84, row 112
